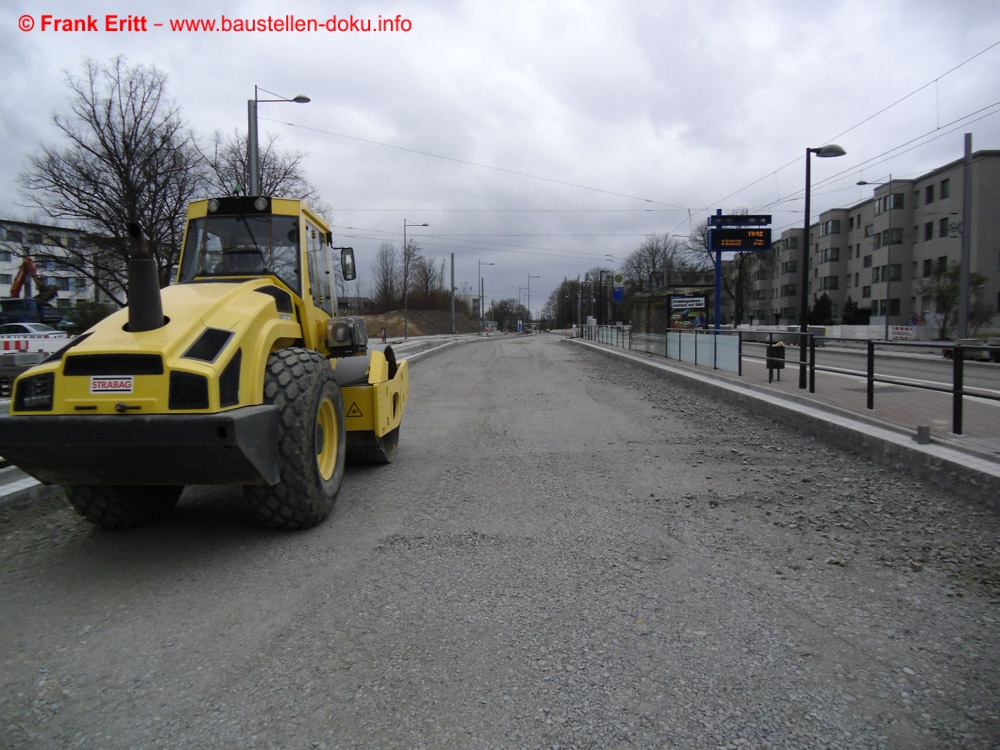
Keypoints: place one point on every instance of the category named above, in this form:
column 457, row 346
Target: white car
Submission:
column 30, row 331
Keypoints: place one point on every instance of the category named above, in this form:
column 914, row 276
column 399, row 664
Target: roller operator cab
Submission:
column 238, row 373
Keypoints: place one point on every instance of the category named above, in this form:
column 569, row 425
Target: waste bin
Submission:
column 775, row 354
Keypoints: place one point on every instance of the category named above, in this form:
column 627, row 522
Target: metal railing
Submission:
column 959, row 354
column 620, row 336
column 694, row 347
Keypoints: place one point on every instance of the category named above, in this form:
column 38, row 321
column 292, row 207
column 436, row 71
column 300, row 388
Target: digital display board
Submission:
column 741, row 239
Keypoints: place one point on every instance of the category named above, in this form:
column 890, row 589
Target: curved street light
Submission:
column 827, row 151
column 253, row 156
column 406, row 275
column 530, row 277
column 481, row 291
column 888, row 249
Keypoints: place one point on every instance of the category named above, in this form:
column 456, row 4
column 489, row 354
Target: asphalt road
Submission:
column 566, row 552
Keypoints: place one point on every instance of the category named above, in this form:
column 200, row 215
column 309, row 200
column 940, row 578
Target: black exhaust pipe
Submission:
column 145, row 308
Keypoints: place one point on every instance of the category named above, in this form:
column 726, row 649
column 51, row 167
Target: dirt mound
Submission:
column 418, row 323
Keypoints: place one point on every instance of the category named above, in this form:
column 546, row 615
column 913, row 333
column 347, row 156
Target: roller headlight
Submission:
column 34, row 393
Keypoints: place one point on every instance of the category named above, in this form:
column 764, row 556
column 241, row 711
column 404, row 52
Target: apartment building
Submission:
column 879, row 253
column 49, row 247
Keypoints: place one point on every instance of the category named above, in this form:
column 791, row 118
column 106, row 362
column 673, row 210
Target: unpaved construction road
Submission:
column 567, row 552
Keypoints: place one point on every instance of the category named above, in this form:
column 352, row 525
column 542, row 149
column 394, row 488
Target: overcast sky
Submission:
column 547, row 137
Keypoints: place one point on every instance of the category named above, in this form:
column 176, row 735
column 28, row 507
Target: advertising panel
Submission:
column 689, row 311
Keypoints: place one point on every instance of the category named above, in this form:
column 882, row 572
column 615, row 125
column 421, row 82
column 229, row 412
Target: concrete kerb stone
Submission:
column 24, row 491
column 417, row 348
column 877, row 441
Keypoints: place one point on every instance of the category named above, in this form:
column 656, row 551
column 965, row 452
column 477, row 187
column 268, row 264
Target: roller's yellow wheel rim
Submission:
column 326, row 439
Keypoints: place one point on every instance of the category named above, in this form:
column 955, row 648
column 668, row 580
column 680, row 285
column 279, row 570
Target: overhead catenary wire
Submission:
column 666, row 207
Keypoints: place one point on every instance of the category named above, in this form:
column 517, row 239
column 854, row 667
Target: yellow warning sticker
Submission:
column 354, row 411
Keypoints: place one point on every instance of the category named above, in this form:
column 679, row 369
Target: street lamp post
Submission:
column 406, row 275
column 482, row 291
column 253, row 147
column 824, row 152
column 888, row 250
column 530, row 277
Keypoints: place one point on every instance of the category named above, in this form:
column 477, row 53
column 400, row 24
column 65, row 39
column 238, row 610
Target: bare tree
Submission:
column 411, row 255
column 385, row 279
column 281, row 172
column 657, row 263
column 128, row 158
column 507, row 313
column 562, row 305
column 428, row 283
column 944, row 289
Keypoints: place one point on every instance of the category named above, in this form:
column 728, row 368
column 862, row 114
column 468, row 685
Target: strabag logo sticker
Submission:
column 119, row 384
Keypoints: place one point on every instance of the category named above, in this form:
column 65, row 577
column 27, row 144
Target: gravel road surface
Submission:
column 567, row 552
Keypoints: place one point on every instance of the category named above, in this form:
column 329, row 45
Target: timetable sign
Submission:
column 741, row 239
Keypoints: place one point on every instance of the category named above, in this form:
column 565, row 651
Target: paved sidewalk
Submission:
column 905, row 408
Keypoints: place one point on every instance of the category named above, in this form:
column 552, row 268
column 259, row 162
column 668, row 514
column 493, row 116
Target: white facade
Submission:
column 880, row 252
column 46, row 245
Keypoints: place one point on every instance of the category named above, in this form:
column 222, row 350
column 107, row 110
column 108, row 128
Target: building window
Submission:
column 866, row 292
column 5, row 256
column 78, row 284
column 896, row 272
column 928, row 267
column 894, row 307
column 828, row 283
column 888, row 202
column 929, row 231
column 60, row 283
column 929, row 194
column 792, row 243
column 894, row 236
column 876, row 275
column 945, row 188
column 829, row 227
column 942, row 264
column 12, row 235
column 867, row 262
column 6, row 278
column 829, row 255
column 869, row 229
column 943, row 227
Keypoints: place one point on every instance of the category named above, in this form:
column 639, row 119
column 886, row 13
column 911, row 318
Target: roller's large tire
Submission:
column 122, row 506
column 311, row 441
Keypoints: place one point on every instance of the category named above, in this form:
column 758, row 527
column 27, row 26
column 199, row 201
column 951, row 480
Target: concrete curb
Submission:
column 877, row 441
